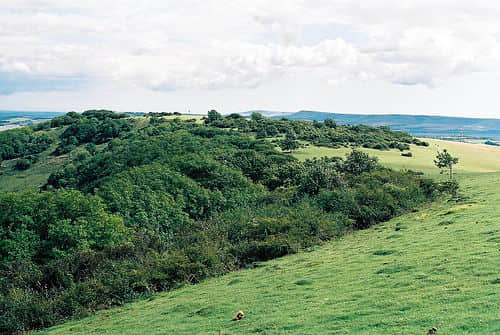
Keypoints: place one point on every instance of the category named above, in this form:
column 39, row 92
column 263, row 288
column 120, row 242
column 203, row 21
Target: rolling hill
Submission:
column 100, row 209
column 416, row 125
column 435, row 267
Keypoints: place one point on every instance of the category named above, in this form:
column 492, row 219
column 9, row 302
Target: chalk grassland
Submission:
column 437, row 267
column 473, row 157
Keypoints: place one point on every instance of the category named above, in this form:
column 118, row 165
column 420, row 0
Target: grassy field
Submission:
column 438, row 267
column 473, row 157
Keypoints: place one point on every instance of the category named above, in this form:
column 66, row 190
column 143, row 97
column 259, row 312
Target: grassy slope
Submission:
column 473, row 157
column 440, row 269
column 12, row 180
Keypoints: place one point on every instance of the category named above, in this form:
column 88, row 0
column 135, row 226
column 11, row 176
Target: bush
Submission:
column 418, row 142
column 22, row 164
column 450, row 186
column 358, row 162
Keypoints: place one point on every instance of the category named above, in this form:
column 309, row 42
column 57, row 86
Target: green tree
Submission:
column 288, row 144
column 257, row 116
column 22, row 164
column 444, row 160
column 213, row 115
column 358, row 162
column 330, row 123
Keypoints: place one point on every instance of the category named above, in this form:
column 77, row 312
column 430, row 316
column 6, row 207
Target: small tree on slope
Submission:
column 444, row 160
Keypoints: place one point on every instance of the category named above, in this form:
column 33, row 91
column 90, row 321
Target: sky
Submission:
column 433, row 57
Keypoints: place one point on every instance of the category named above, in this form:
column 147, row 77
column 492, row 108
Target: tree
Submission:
column 330, row 123
column 288, row 145
column 257, row 116
column 358, row 162
column 22, row 164
column 444, row 160
column 213, row 115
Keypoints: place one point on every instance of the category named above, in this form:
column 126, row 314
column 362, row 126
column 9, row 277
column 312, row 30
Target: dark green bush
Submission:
column 450, row 186
column 22, row 164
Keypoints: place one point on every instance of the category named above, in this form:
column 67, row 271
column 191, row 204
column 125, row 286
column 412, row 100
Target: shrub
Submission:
column 358, row 162
column 22, row 164
column 450, row 186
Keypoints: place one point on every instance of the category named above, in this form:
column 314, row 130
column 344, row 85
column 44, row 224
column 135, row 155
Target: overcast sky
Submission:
column 439, row 57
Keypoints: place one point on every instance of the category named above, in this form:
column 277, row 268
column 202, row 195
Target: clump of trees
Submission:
column 175, row 202
column 327, row 133
column 22, row 142
column 92, row 127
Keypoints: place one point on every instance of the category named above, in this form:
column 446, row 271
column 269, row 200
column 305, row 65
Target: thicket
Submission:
column 22, row 142
column 175, row 202
column 327, row 133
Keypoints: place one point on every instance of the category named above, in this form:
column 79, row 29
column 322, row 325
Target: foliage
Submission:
column 358, row 162
column 139, row 209
column 288, row 144
column 22, row 164
column 22, row 142
column 377, row 281
column 91, row 130
column 444, row 160
column 328, row 133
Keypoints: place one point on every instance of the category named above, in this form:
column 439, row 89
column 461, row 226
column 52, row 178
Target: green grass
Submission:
column 12, row 180
column 473, row 157
column 439, row 269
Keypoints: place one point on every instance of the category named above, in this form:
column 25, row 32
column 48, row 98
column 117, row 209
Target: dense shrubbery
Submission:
column 92, row 128
column 22, row 142
column 175, row 202
column 327, row 134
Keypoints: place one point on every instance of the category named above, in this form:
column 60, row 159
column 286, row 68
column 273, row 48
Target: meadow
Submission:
column 474, row 158
column 435, row 267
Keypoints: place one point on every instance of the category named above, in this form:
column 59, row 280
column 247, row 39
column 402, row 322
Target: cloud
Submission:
column 12, row 82
column 172, row 45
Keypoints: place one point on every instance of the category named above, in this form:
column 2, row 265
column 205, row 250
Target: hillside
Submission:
column 436, row 267
column 416, row 125
column 473, row 157
column 99, row 209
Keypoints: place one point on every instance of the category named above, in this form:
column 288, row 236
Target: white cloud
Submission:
column 183, row 45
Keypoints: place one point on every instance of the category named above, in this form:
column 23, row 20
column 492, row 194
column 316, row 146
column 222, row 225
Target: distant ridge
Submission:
column 16, row 119
column 7, row 114
column 416, row 125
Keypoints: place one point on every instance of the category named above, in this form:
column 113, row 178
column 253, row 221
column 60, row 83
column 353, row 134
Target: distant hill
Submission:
column 416, row 125
column 15, row 119
column 266, row 113
column 5, row 114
